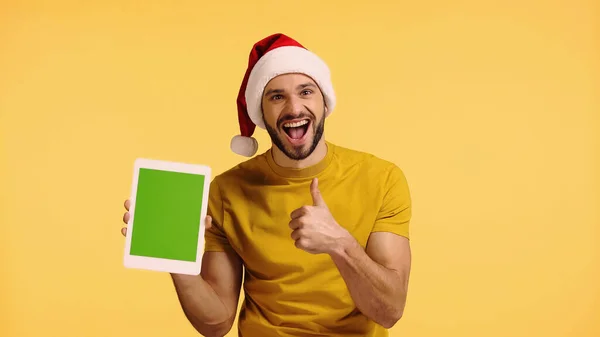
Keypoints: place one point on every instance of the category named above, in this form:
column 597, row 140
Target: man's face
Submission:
column 294, row 114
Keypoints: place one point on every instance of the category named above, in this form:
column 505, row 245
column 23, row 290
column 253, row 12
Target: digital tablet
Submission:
column 168, row 206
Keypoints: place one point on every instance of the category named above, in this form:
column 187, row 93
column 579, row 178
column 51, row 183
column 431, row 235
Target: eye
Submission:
column 306, row 92
column 275, row 97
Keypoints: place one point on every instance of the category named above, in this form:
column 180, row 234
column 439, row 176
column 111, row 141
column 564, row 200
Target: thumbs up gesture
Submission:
column 313, row 227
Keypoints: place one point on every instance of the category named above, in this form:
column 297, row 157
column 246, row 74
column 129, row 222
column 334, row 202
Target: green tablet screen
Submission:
column 166, row 220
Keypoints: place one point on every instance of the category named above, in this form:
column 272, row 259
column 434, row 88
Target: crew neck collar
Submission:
column 305, row 172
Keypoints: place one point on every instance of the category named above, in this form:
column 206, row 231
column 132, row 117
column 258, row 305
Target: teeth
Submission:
column 295, row 125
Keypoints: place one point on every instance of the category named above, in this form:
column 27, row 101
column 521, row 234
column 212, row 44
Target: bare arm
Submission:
column 210, row 299
column 377, row 277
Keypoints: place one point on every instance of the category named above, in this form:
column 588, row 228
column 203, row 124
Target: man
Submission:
column 320, row 231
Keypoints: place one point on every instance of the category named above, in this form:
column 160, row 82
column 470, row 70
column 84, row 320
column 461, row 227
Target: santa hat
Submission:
column 270, row 57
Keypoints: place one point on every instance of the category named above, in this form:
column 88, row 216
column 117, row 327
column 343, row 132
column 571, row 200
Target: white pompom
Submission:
column 244, row 146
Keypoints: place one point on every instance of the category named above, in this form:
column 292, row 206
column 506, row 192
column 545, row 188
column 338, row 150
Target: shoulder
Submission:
column 246, row 171
column 367, row 162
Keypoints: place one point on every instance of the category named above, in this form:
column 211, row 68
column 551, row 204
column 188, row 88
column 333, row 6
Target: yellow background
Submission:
column 490, row 108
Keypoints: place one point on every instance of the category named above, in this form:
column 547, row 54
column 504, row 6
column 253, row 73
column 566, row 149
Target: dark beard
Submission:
column 297, row 153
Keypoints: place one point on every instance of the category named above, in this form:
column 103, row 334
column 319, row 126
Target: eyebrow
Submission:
column 278, row 91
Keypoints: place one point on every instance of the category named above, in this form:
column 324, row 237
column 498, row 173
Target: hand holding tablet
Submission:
column 166, row 216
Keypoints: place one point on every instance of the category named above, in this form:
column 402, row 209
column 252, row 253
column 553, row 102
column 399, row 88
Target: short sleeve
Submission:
column 214, row 238
column 396, row 208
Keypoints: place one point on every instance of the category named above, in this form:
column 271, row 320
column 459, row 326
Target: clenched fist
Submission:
column 313, row 227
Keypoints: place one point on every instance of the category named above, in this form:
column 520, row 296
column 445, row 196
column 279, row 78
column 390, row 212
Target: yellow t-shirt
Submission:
column 290, row 292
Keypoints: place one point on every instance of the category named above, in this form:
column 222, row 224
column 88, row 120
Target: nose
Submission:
column 295, row 106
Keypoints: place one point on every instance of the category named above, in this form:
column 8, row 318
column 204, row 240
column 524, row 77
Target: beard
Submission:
column 297, row 152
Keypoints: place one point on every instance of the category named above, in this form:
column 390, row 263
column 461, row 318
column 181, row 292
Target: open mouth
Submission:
column 296, row 130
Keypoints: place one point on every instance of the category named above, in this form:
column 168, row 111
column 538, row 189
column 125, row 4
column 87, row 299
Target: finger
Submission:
column 127, row 204
column 126, row 217
column 124, row 231
column 299, row 212
column 316, row 193
column 295, row 224
column 301, row 244
column 296, row 234
column 208, row 222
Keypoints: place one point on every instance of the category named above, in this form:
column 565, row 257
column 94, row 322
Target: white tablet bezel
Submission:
column 159, row 264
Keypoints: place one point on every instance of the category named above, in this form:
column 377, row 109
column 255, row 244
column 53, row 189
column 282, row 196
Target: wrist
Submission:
column 344, row 245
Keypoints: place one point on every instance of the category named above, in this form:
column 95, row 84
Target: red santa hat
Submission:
column 270, row 57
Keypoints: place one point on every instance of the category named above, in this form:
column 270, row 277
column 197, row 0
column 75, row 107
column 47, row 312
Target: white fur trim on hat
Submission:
column 285, row 60
column 244, row 146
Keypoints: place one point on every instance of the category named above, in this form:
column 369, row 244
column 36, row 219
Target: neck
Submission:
column 316, row 156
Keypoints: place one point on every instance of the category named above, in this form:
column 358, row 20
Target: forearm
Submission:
column 378, row 292
column 202, row 305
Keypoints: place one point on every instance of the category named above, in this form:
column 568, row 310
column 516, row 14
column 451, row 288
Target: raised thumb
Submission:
column 316, row 193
